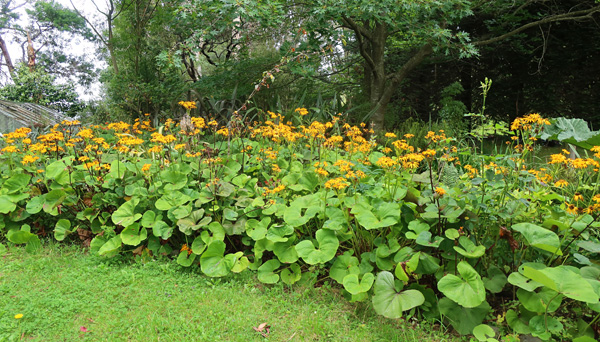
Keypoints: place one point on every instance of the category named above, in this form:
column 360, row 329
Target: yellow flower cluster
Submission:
column 386, row 162
column 19, row 133
column 529, row 122
column 301, row 111
column 162, row 139
column 188, row 104
column 339, row 183
column 275, row 190
column 28, row 159
column 130, row 141
column 435, row 137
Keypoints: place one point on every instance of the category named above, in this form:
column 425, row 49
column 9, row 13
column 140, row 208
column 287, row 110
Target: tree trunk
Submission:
column 9, row 65
column 381, row 95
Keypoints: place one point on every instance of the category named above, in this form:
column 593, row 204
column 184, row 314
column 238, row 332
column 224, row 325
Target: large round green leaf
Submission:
column 292, row 274
column 495, row 280
column 198, row 246
column 302, row 209
column 35, row 204
column 468, row 249
column 19, row 236
column 241, row 263
column 215, row 232
column 484, row 332
column 280, row 233
column 328, row 245
column 389, row 302
column 564, row 281
column 344, row 264
column 214, row 263
column 546, row 299
column 467, row 290
column 15, row 183
column 379, row 215
column 134, row 234
column 6, row 205
column 286, row 251
column 58, row 172
column 111, row 247
column 354, row 286
column 464, row 320
column 171, row 199
column 336, row 219
column 126, row 215
column 186, row 260
column 266, row 272
column 539, row 237
column 257, row 230
column 54, row 198
column 162, row 230
column 62, row 229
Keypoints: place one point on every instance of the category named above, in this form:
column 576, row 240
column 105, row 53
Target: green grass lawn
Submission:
column 61, row 291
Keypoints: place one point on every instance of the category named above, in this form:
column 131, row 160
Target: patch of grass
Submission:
column 60, row 290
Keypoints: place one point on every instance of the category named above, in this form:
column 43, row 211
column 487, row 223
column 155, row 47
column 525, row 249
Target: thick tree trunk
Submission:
column 381, row 96
column 7, row 59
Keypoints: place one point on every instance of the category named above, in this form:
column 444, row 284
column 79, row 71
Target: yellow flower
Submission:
column 390, row 135
column 577, row 197
column 428, row 153
column 337, row 183
column 301, row 111
column 187, row 104
column 18, row 316
column 70, row 123
column 223, row 131
column 572, row 208
column 155, row 149
column 146, row 167
column 86, row 133
column 10, row 149
column 386, row 162
column 440, row 191
column 322, row 172
column 28, row 159
column 557, row 159
column 560, row 183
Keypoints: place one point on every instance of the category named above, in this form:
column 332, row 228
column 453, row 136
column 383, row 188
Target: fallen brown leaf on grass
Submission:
column 262, row 327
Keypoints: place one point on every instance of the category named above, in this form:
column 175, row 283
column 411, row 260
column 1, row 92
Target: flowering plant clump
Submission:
column 440, row 230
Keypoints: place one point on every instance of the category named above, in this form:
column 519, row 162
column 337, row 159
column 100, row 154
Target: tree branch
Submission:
column 351, row 24
column 361, row 43
column 577, row 15
column 400, row 75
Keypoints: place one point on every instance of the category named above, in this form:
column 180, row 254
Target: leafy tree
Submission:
column 41, row 88
column 49, row 29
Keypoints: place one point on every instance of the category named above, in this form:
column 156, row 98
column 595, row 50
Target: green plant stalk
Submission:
column 577, row 236
column 546, row 312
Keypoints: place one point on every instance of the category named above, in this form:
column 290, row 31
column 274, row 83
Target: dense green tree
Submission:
column 41, row 88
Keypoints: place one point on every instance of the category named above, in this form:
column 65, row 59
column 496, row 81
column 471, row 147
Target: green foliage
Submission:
column 41, row 88
column 572, row 131
column 291, row 204
column 452, row 110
